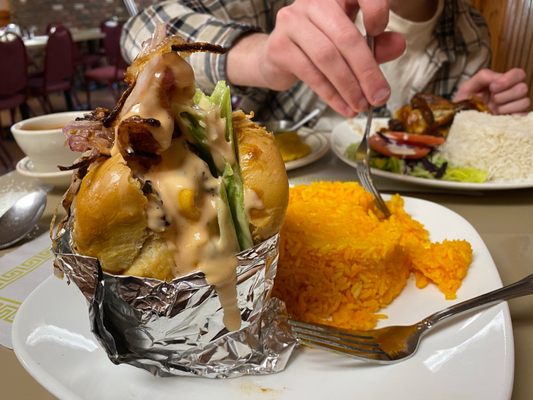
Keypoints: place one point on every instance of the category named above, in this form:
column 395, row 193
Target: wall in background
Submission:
column 72, row 13
column 511, row 27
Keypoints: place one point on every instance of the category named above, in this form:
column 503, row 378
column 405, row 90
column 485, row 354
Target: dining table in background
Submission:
column 503, row 218
column 78, row 35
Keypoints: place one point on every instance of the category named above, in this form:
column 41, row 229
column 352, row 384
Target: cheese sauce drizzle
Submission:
column 191, row 205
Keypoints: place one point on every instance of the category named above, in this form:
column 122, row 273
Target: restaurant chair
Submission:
column 81, row 58
column 13, row 75
column 112, row 73
column 58, row 70
column 86, row 60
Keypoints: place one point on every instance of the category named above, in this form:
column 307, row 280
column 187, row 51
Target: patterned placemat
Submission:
column 21, row 271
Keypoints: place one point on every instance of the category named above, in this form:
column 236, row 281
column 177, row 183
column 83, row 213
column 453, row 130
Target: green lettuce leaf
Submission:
column 235, row 190
column 465, row 174
column 392, row 164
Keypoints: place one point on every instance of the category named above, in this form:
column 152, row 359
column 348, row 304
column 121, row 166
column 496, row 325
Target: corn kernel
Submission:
column 187, row 204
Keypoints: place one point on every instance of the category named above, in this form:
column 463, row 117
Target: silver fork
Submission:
column 397, row 343
column 362, row 156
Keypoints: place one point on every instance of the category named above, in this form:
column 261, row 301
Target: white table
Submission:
column 78, row 35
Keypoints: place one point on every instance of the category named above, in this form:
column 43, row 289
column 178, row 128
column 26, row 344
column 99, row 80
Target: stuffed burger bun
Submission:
column 172, row 181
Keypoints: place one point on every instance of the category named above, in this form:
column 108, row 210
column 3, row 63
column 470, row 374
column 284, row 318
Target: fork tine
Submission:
column 362, row 157
column 339, row 332
column 366, row 182
column 345, row 342
column 353, row 343
column 345, row 350
column 358, row 344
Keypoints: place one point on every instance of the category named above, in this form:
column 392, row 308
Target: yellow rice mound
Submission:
column 341, row 262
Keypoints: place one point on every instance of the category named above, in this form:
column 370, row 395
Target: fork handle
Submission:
column 520, row 288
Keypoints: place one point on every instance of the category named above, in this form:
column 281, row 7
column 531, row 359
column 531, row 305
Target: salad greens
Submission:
column 433, row 166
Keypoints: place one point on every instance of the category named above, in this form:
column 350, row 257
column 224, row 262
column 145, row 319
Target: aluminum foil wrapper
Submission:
column 176, row 328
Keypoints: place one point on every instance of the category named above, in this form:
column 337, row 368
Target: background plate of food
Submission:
column 470, row 357
column 301, row 148
column 475, row 151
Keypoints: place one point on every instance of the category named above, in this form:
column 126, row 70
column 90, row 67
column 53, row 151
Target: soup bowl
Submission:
column 42, row 140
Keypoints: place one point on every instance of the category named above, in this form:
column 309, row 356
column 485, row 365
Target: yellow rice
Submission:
column 340, row 263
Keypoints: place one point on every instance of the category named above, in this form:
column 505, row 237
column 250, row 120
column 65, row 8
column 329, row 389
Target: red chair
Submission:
column 58, row 72
column 13, row 75
column 81, row 59
column 113, row 72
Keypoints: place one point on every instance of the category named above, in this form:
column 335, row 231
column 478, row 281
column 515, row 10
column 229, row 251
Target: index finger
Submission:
column 375, row 15
column 350, row 43
column 508, row 80
column 479, row 82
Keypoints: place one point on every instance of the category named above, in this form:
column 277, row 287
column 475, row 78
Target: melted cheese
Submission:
column 151, row 98
column 221, row 150
column 206, row 242
column 252, row 201
column 195, row 244
column 180, row 169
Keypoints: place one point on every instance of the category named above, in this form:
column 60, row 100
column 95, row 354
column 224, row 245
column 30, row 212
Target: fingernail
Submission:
column 381, row 96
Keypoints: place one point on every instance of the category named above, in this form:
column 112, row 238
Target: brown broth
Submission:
column 41, row 126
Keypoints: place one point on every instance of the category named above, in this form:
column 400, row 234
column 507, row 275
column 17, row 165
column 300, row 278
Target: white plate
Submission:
column 59, row 178
column 351, row 131
column 319, row 146
column 469, row 358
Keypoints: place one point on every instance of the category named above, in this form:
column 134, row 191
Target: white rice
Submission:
column 501, row 145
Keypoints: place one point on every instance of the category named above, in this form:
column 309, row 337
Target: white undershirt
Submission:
column 401, row 72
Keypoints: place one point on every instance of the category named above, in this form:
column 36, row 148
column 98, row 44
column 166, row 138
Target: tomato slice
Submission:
column 380, row 145
column 414, row 139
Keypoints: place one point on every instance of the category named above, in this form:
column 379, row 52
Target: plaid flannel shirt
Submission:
column 459, row 49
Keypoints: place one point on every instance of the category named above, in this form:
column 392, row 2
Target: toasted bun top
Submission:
column 263, row 172
column 110, row 222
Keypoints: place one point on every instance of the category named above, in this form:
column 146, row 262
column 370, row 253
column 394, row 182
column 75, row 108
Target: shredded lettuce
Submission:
column 465, row 174
column 232, row 183
column 197, row 131
column 235, row 190
column 350, row 150
column 434, row 163
column 392, row 164
column 221, row 96
column 226, row 226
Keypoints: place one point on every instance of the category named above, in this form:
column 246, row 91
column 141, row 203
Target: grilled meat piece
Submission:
column 430, row 114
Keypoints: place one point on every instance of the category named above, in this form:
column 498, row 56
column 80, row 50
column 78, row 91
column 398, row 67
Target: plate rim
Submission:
column 55, row 386
column 22, row 168
column 43, row 377
column 335, row 133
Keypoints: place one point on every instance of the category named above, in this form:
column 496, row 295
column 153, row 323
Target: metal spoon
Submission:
column 21, row 218
column 297, row 125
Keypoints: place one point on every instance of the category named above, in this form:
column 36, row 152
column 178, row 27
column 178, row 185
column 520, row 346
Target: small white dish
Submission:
column 59, row 179
column 471, row 357
column 319, row 147
column 42, row 139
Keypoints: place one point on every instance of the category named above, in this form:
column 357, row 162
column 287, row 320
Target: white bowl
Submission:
column 42, row 140
column 59, row 179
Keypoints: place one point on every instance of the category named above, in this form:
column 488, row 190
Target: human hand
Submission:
column 316, row 41
column 504, row 93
